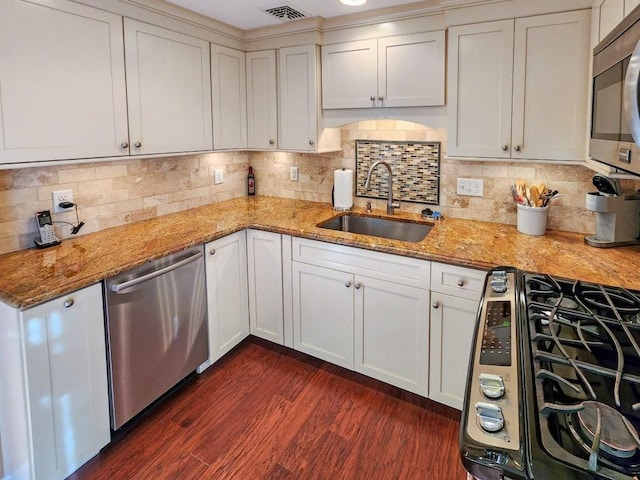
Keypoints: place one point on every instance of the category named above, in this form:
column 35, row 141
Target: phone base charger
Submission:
column 41, row 244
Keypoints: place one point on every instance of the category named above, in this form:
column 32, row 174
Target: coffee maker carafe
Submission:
column 617, row 214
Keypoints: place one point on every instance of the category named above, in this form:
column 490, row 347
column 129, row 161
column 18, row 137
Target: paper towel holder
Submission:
column 333, row 201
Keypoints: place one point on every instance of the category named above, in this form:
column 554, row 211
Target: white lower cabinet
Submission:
column 227, row 294
column 392, row 333
column 265, row 260
column 363, row 310
column 455, row 295
column 53, row 386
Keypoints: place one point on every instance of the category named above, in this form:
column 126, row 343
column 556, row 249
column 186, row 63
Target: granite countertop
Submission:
column 29, row 277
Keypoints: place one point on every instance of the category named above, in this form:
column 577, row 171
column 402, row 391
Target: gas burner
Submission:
column 610, row 299
column 618, row 438
column 566, row 302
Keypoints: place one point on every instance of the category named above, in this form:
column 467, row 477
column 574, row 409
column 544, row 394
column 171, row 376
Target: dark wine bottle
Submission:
column 251, row 183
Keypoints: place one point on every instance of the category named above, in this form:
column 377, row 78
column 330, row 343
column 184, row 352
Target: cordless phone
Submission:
column 45, row 226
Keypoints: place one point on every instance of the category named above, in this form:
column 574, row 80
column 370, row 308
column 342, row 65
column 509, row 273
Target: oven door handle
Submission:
column 119, row 287
column 630, row 95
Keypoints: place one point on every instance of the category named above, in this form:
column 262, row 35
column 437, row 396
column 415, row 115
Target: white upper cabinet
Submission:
column 169, row 90
column 262, row 100
column 299, row 100
column 62, row 82
column 229, row 95
column 400, row 71
column 518, row 88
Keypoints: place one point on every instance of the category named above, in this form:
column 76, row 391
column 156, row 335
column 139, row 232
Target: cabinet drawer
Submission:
column 393, row 268
column 458, row 281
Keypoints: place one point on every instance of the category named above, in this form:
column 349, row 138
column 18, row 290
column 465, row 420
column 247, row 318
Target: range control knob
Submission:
column 499, row 281
column 492, row 386
column 489, row 416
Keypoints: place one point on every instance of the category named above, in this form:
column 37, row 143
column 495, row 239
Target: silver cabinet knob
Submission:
column 69, row 303
column 372, row 98
column 137, row 144
column 460, row 283
column 348, row 283
column 492, row 386
column 271, row 142
column 517, row 148
column 489, row 416
column 505, row 147
column 212, row 251
column 381, row 98
column 358, row 285
column 311, row 142
column 124, row 145
column 435, row 304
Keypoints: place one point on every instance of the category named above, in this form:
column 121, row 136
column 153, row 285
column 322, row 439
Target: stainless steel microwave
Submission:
column 615, row 118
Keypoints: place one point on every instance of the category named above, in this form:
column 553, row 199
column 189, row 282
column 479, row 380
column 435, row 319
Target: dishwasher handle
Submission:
column 119, row 287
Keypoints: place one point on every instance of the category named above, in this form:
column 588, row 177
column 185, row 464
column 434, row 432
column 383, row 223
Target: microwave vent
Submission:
column 285, row 12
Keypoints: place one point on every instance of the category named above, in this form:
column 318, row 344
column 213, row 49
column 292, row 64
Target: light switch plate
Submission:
column 294, row 174
column 470, row 186
column 218, row 176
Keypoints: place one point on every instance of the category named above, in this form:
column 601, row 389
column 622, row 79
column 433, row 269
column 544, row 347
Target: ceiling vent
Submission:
column 285, row 12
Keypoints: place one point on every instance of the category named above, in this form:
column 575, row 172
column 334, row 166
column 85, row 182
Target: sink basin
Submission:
column 378, row 227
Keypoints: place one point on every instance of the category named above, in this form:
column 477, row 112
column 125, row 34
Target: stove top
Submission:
column 584, row 353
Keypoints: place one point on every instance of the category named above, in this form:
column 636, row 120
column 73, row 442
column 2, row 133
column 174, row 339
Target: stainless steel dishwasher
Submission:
column 156, row 318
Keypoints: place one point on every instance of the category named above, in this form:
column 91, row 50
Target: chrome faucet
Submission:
column 390, row 204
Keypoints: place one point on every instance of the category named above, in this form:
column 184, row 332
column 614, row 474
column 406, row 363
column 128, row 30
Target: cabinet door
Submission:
column 227, row 302
column 265, row 285
column 550, row 86
column 298, row 92
column 323, row 302
column 229, row 96
column 64, row 347
column 392, row 333
column 411, row 70
column 262, row 100
column 168, row 89
column 452, row 325
column 349, row 75
column 62, row 82
column 480, row 89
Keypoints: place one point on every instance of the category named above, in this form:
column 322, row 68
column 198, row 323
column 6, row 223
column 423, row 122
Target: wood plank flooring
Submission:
column 267, row 412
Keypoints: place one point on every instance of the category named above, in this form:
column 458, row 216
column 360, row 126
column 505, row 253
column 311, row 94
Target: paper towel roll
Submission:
column 342, row 189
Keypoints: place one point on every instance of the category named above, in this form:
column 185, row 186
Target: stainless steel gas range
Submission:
column 554, row 381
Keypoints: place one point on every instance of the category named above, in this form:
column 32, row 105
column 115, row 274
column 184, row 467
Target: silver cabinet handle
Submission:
column 137, row 144
column 119, row 287
column 69, row 303
column 348, row 284
column 381, row 98
column 271, row 142
column 435, row 304
column 124, row 145
column 460, row 283
column 311, row 142
column 212, row 251
column 372, row 98
column 358, row 285
column 505, row 147
column 517, row 148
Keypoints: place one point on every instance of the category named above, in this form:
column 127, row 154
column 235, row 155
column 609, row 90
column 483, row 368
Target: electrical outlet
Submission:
column 218, row 176
column 62, row 196
column 470, row 186
column 294, row 174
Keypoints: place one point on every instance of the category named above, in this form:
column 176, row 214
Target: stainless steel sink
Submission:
column 378, row 227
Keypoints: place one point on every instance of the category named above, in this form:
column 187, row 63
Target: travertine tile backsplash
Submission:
column 119, row 192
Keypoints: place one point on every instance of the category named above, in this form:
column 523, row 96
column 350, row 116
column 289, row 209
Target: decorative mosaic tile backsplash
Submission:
column 415, row 167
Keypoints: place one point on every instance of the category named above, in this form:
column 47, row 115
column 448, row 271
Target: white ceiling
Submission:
column 248, row 14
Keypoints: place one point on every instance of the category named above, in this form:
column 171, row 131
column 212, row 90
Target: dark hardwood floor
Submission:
column 267, row 412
